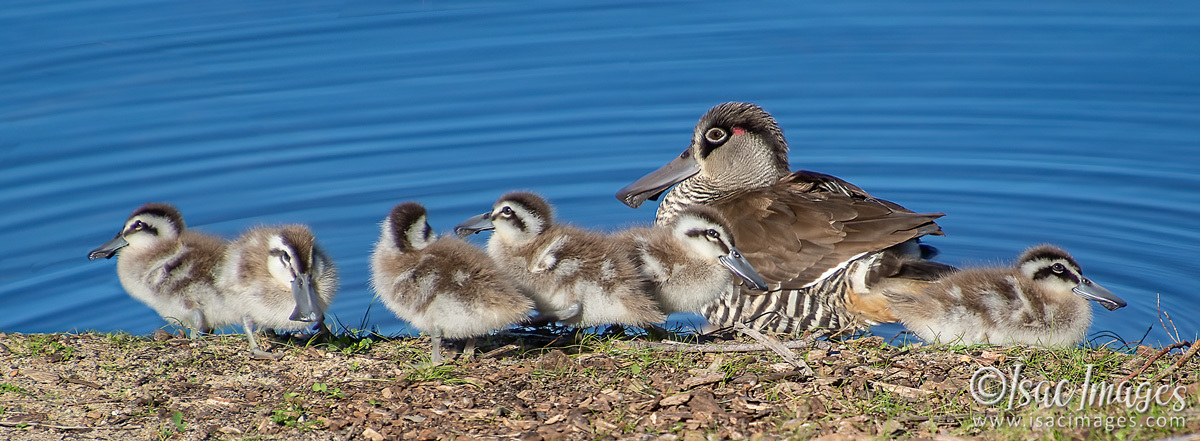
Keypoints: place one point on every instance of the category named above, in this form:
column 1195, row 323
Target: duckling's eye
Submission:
column 716, row 135
column 137, row 226
column 685, row 154
column 1058, row 268
column 287, row 257
column 713, row 234
column 506, row 211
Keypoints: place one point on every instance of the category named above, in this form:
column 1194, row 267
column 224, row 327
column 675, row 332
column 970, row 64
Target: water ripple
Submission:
column 1024, row 122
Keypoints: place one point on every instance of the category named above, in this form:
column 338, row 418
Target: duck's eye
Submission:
column 1058, row 268
column 506, row 211
column 286, row 257
column 716, row 135
column 713, row 234
column 137, row 226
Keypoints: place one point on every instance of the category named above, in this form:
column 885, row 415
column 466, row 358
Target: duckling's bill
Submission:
column 307, row 307
column 109, row 249
column 657, row 182
column 474, row 224
column 1096, row 293
column 738, row 264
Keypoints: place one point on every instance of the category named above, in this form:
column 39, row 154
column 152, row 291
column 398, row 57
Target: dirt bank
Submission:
column 102, row 386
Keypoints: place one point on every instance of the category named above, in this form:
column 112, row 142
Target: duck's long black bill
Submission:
column 738, row 264
column 308, row 309
column 109, row 249
column 1091, row 291
column 474, row 224
column 654, row 184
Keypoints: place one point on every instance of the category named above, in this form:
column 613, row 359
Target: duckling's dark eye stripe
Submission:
column 704, row 234
column 1049, row 272
column 172, row 216
column 147, row 228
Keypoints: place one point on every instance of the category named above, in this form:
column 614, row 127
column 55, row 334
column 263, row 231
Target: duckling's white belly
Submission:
column 599, row 307
column 171, row 286
column 957, row 328
column 960, row 326
column 416, row 299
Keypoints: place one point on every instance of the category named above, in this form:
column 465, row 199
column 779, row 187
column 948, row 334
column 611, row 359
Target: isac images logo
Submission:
column 991, row 387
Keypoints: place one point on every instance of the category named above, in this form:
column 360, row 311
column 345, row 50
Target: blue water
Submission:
column 1024, row 121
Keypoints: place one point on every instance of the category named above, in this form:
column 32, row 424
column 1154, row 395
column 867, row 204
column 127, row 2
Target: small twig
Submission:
column 775, row 346
column 1178, row 364
column 82, row 382
column 944, row 419
column 1152, row 359
column 498, row 351
column 672, row 346
column 57, row 427
column 100, row 401
column 36, row 424
column 753, row 378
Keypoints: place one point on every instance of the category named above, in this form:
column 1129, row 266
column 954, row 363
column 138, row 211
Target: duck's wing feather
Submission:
column 809, row 223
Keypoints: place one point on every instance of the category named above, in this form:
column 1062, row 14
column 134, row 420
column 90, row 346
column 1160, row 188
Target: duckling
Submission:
column 442, row 286
column 171, row 269
column 278, row 278
column 801, row 230
column 574, row 276
column 690, row 260
column 1042, row 301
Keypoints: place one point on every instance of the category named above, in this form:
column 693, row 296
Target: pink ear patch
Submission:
column 738, row 130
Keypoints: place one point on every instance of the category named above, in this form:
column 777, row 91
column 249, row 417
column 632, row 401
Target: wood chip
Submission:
column 675, row 400
column 372, row 435
column 42, row 376
column 701, row 380
column 904, row 391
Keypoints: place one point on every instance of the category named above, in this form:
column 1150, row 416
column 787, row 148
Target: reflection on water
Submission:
column 1024, row 122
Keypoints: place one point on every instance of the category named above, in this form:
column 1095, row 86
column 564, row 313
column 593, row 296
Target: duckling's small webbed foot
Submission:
column 255, row 352
column 258, row 354
column 469, row 349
